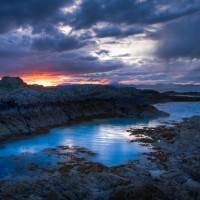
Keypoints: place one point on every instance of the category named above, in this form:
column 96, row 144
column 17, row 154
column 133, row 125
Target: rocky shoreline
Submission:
column 31, row 109
column 170, row 171
column 28, row 110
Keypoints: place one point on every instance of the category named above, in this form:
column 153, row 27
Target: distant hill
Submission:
column 158, row 87
column 171, row 87
column 164, row 87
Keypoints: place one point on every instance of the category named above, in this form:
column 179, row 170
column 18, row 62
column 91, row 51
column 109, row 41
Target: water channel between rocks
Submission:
column 107, row 137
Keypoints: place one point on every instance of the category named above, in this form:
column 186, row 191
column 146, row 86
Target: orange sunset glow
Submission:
column 54, row 80
column 45, row 80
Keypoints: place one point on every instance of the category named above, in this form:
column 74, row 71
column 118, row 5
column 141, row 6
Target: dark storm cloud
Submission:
column 17, row 13
column 7, row 53
column 58, row 64
column 43, row 48
column 81, row 67
column 59, row 42
column 180, row 39
column 13, row 46
column 153, row 35
column 131, row 11
column 89, row 58
column 107, row 32
column 152, row 72
column 86, row 36
column 114, row 31
column 43, row 17
column 102, row 52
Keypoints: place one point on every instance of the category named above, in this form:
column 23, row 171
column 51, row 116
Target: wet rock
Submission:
column 150, row 111
column 193, row 184
column 177, row 176
column 143, row 192
column 32, row 166
column 190, row 190
column 35, row 197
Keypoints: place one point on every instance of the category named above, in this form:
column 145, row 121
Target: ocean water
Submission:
column 179, row 110
column 108, row 138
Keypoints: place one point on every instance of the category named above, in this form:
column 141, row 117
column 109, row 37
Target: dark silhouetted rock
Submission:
column 26, row 110
column 11, row 82
column 143, row 192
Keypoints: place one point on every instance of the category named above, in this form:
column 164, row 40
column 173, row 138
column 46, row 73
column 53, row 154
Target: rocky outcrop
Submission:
column 32, row 109
column 11, row 82
column 26, row 109
column 176, row 155
column 141, row 192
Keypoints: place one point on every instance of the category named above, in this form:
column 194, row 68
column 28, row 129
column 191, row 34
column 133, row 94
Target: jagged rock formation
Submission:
column 29, row 109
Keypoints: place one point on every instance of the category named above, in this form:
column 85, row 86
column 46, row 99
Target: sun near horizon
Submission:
column 55, row 80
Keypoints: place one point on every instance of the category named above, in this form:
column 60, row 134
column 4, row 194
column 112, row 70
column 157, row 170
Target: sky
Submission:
column 53, row 42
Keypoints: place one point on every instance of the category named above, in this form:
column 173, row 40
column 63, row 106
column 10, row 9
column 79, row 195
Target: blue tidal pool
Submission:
column 108, row 137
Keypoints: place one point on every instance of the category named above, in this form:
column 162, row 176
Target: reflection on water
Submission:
column 106, row 137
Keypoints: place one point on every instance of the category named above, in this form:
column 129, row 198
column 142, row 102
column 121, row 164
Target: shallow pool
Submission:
column 108, row 137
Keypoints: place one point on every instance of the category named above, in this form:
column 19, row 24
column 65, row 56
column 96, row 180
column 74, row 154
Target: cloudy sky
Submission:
column 52, row 42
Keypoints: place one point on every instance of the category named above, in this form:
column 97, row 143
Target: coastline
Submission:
column 170, row 171
column 30, row 111
column 46, row 129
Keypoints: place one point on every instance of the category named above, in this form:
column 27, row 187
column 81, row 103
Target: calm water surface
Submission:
column 107, row 137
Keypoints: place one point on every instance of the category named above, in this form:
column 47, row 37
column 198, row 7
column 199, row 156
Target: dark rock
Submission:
column 143, row 192
column 29, row 110
column 11, row 82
